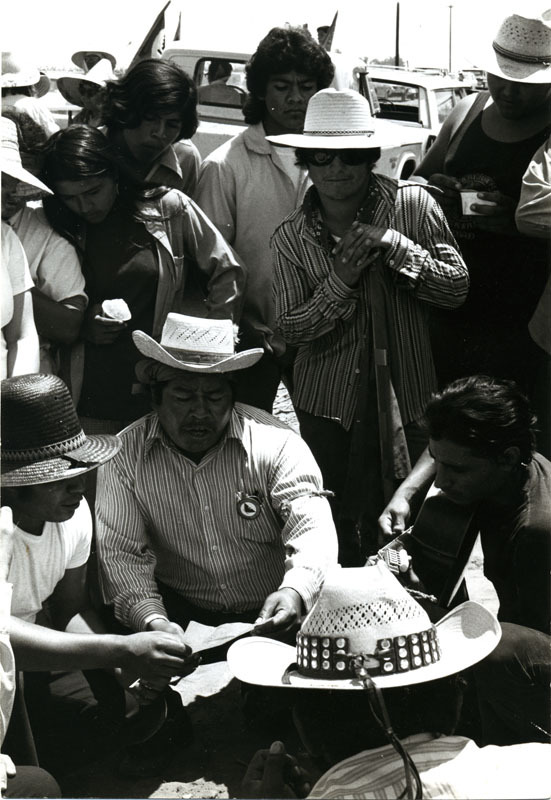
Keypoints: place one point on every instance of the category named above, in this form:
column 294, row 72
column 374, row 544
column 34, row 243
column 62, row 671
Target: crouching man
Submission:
column 211, row 511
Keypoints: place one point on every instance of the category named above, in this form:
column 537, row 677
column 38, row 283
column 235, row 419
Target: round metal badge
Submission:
column 248, row 506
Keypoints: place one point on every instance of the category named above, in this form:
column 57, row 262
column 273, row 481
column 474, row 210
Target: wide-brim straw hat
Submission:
column 366, row 612
column 195, row 344
column 42, row 439
column 79, row 58
column 70, row 85
column 341, row 120
column 521, row 51
column 10, row 158
column 17, row 72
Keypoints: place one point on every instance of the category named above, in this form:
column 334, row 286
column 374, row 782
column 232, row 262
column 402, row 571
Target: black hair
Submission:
column 151, row 87
column 487, row 415
column 284, row 50
column 372, row 154
column 218, row 68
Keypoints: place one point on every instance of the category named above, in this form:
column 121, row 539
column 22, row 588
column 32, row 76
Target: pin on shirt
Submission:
column 249, row 505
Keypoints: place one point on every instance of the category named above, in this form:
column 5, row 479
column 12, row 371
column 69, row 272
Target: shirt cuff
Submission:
column 338, row 290
column 143, row 611
column 307, row 582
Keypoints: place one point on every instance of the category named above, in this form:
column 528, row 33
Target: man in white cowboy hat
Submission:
column 212, row 510
column 485, row 147
column 357, row 268
column 482, row 436
column 45, row 459
column 367, row 635
column 85, row 91
column 247, row 186
column 22, row 87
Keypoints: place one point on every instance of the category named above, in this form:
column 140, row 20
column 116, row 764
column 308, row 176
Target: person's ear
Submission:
column 510, row 458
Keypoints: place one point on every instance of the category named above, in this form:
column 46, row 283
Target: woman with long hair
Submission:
column 155, row 250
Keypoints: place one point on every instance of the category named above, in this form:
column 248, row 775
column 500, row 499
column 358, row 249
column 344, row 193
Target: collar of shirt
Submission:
column 167, row 160
column 156, row 433
column 255, row 139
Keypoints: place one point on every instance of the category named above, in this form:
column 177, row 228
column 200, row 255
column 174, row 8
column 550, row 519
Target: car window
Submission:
column 220, row 82
column 398, row 101
column 445, row 101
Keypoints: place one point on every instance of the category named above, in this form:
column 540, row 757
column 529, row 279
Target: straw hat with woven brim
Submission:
column 70, row 85
column 42, row 439
column 10, row 158
column 365, row 612
column 17, row 72
column 195, row 344
column 341, row 120
column 521, row 50
column 79, row 58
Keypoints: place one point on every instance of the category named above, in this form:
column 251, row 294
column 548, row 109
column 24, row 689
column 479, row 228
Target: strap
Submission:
column 457, row 136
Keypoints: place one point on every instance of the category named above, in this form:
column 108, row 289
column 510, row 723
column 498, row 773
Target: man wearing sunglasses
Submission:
column 357, row 268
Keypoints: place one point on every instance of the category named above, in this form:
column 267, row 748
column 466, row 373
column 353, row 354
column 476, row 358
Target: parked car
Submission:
column 221, row 101
column 416, row 99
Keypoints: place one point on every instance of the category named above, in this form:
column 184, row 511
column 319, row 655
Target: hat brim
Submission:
column 467, row 634
column 517, row 71
column 152, row 349
column 23, row 175
column 69, row 87
column 43, row 85
column 93, row 453
column 16, row 80
column 78, row 58
column 385, row 134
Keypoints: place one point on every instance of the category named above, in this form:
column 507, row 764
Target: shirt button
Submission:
column 391, row 262
column 357, row 371
column 206, row 508
column 215, row 547
column 223, row 586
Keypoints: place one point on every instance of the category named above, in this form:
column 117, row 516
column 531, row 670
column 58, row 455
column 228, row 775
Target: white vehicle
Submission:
column 416, row 99
column 221, row 100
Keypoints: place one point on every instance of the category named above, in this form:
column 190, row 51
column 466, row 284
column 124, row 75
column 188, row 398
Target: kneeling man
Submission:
column 212, row 510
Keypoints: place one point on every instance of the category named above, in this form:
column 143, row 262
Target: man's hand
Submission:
column 356, row 251
column 274, row 773
column 99, row 329
column 7, row 770
column 6, row 542
column 393, row 521
column 281, row 610
column 156, row 656
column 497, row 218
column 445, row 191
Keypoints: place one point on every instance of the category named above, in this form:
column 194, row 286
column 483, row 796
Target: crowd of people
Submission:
column 153, row 304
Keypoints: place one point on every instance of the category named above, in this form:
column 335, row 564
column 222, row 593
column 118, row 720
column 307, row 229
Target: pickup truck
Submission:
column 221, row 89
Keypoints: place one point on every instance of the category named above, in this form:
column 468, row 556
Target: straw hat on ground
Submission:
column 364, row 617
column 195, row 344
column 18, row 72
column 341, row 120
column 10, row 159
column 42, row 439
column 72, row 86
column 521, row 51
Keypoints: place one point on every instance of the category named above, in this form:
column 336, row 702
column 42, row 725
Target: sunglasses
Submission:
column 322, row 158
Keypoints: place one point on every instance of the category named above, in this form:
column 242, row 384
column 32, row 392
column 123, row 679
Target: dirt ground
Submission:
column 214, row 764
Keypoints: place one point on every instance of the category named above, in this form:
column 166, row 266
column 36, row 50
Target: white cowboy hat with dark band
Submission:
column 42, row 439
column 521, row 51
column 341, row 120
column 10, row 159
column 17, row 73
column 195, row 344
column 70, row 85
column 364, row 618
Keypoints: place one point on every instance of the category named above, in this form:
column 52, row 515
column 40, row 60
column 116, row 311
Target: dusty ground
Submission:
column 213, row 766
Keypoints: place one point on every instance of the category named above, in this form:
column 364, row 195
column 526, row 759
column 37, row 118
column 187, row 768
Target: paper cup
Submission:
column 468, row 197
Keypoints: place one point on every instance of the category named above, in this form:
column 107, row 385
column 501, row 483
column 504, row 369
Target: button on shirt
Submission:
column 161, row 516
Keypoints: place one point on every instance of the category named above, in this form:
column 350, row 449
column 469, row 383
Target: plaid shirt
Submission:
column 329, row 322
column 160, row 515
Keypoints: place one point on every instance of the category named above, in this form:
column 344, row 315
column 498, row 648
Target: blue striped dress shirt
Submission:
column 160, row 515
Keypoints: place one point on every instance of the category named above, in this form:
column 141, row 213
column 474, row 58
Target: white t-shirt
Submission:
column 16, row 279
column 39, row 562
column 287, row 157
column 34, row 107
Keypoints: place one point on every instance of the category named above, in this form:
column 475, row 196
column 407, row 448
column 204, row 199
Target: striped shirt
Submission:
column 329, row 321
column 449, row 767
column 161, row 516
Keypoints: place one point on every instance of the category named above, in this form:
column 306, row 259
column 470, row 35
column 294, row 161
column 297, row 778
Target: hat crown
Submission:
column 37, row 415
column 338, row 113
column 10, row 142
column 524, row 37
column 17, row 71
column 189, row 337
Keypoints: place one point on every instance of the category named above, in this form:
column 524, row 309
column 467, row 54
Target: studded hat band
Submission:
column 521, row 57
column 338, row 133
column 329, row 656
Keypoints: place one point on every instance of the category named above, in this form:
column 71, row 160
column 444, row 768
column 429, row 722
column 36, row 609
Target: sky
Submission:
column 50, row 30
